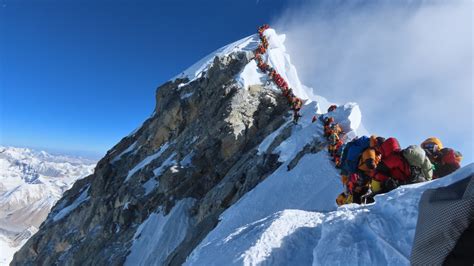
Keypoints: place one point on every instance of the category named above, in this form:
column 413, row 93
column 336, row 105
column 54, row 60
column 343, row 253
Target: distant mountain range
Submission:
column 30, row 184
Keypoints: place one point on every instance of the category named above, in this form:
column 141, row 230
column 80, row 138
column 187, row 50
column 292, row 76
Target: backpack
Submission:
column 351, row 153
column 420, row 165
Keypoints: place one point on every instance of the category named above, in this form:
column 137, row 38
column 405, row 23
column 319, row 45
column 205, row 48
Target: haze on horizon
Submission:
column 77, row 79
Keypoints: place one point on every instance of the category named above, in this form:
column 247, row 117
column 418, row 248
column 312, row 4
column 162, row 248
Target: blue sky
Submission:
column 77, row 76
column 80, row 75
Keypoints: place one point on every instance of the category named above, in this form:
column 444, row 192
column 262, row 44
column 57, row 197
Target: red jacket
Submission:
column 393, row 163
column 446, row 163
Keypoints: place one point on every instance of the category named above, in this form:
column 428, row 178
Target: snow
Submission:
column 277, row 58
column 381, row 233
column 7, row 250
column 251, row 75
column 304, row 187
column 348, row 116
column 265, row 144
column 187, row 160
column 150, row 185
column 291, row 217
column 146, row 161
column 195, row 71
column 187, row 95
column 78, row 201
column 31, row 182
column 129, row 149
column 305, row 132
column 169, row 161
column 160, row 234
column 126, row 205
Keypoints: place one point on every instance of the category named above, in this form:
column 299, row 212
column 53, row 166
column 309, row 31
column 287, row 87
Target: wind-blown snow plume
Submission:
column 408, row 64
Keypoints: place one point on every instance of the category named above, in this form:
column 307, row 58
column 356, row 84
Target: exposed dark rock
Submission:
column 211, row 127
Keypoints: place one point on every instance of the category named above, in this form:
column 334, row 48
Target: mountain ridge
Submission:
column 218, row 160
column 31, row 182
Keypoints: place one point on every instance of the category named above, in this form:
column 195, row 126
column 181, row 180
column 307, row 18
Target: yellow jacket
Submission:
column 369, row 157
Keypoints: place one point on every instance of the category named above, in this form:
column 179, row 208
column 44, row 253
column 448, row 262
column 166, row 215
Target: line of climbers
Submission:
column 374, row 165
column 369, row 165
column 294, row 102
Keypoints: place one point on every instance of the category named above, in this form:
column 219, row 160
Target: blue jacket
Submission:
column 351, row 154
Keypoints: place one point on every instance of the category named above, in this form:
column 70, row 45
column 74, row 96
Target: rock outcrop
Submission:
column 200, row 145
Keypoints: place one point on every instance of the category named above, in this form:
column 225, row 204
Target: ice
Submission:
column 129, row 149
column 31, row 182
column 68, row 209
column 381, row 233
column 168, row 162
column 187, row 160
column 147, row 160
column 160, row 234
column 278, row 59
column 150, row 185
column 195, row 71
column 251, row 75
column 265, row 144
column 187, row 95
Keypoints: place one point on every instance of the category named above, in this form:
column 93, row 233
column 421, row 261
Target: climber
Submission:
column 262, row 65
column 291, row 95
column 421, row 168
column 351, row 153
column 283, row 84
column 334, row 140
column 369, row 161
column 272, row 73
column 327, row 126
column 432, row 146
column 264, row 42
column 359, row 182
column 260, row 49
column 279, row 81
column 262, row 28
column 338, row 154
column 332, row 108
column 297, row 103
column 358, row 186
column 393, row 170
column 447, row 161
column 343, row 198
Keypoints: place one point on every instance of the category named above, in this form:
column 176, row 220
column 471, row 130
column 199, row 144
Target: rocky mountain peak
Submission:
column 193, row 158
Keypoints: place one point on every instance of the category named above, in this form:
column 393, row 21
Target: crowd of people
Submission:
column 374, row 165
column 294, row 102
column 369, row 165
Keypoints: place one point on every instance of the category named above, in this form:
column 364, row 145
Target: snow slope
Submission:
column 377, row 234
column 313, row 184
column 160, row 232
column 291, row 217
column 30, row 184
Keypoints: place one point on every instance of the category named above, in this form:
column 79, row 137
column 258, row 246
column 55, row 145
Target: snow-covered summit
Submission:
column 276, row 57
column 247, row 44
column 220, row 175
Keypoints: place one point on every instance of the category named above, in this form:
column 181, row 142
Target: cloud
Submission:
column 409, row 65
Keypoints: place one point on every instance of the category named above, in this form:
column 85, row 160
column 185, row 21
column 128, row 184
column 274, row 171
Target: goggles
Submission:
column 430, row 147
